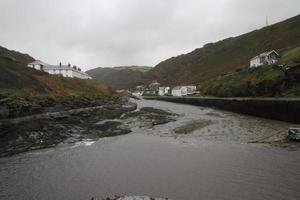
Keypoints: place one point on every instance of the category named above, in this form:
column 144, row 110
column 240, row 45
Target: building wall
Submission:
column 63, row 71
column 79, row 75
column 259, row 61
column 180, row 92
column 255, row 62
column 176, row 93
column 161, row 92
column 38, row 67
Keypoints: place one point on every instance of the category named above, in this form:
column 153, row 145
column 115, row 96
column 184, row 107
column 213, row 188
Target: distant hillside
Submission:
column 219, row 58
column 17, row 79
column 121, row 77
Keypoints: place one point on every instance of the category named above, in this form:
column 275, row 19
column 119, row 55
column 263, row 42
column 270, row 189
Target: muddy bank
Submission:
column 272, row 108
column 51, row 128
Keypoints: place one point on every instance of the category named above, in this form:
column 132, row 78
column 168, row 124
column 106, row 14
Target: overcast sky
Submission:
column 106, row 33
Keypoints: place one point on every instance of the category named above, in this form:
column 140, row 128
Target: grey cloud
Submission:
column 105, row 33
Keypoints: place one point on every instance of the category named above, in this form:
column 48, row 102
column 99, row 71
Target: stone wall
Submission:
column 285, row 109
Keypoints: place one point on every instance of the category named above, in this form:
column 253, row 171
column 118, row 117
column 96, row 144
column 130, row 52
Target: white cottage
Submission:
column 179, row 91
column 63, row 70
column 191, row 89
column 266, row 58
column 163, row 91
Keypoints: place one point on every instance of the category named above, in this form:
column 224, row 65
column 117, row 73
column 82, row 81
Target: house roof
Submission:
column 177, row 88
column 38, row 62
column 56, row 67
column 264, row 54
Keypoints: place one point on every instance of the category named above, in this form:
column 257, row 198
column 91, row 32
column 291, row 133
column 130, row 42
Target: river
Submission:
column 214, row 162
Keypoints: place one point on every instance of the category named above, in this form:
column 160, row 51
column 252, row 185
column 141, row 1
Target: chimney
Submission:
column 69, row 65
column 60, row 64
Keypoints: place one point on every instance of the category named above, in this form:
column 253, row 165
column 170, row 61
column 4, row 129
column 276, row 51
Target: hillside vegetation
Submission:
column 121, row 77
column 264, row 81
column 25, row 91
column 282, row 79
column 225, row 56
column 210, row 66
column 16, row 79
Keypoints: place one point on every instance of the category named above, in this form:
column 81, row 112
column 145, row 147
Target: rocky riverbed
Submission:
column 68, row 126
column 202, row 153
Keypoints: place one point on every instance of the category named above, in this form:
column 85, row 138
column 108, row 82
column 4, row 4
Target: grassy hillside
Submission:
column 265, row 81
column 290, row 56
column 121, row 77
column 225, row 56
column 282, row 79
column 16, row 79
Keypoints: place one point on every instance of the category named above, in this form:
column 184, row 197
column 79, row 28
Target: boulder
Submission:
column 294, row 134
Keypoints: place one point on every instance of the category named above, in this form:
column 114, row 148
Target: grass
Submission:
column 224, row 56
column 262, row 81
column 60, row 86
column 291, row 56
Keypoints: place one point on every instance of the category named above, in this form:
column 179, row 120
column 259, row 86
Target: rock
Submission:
column 133, row 198
column 20, row 139
column 294, row 134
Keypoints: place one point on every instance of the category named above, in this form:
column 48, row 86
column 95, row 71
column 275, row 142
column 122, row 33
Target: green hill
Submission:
column 26, row 91
column 16, row 79
column 121, row 77
column 225, row 56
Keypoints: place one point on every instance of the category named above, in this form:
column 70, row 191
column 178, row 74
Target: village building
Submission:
column 63, row 70
column 179, row 91
column 191, row 89
column 266, row 58
column 153, row 88
column 164, row 91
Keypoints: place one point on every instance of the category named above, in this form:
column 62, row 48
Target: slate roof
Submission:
column 177, row 88
column 264, row 54
column 56, row 67
column 38, row 62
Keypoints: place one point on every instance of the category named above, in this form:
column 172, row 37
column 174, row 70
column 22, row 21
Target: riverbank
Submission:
column 284, row 109
column 76, row 122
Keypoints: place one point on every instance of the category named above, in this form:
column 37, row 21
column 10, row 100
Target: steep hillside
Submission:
column 218, row 58
column 17, row 79
column 121, row 77
column 14, row 73
column 25, row 91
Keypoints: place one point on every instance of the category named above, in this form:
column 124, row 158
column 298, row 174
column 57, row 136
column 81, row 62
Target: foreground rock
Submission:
column 149, row 117
column 133, row 198
column 294, row 134
column 192, row 126
column 49, row 129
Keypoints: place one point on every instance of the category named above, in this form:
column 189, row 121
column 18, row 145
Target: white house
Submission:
column 266, row 58
column 63, row 70
column 179, row 91
column 191, row 89
column 163, row 91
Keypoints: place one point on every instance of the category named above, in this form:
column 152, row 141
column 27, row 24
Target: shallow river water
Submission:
column 214, row 162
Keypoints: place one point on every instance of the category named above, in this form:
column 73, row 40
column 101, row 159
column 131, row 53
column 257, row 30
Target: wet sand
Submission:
column 212, row 162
